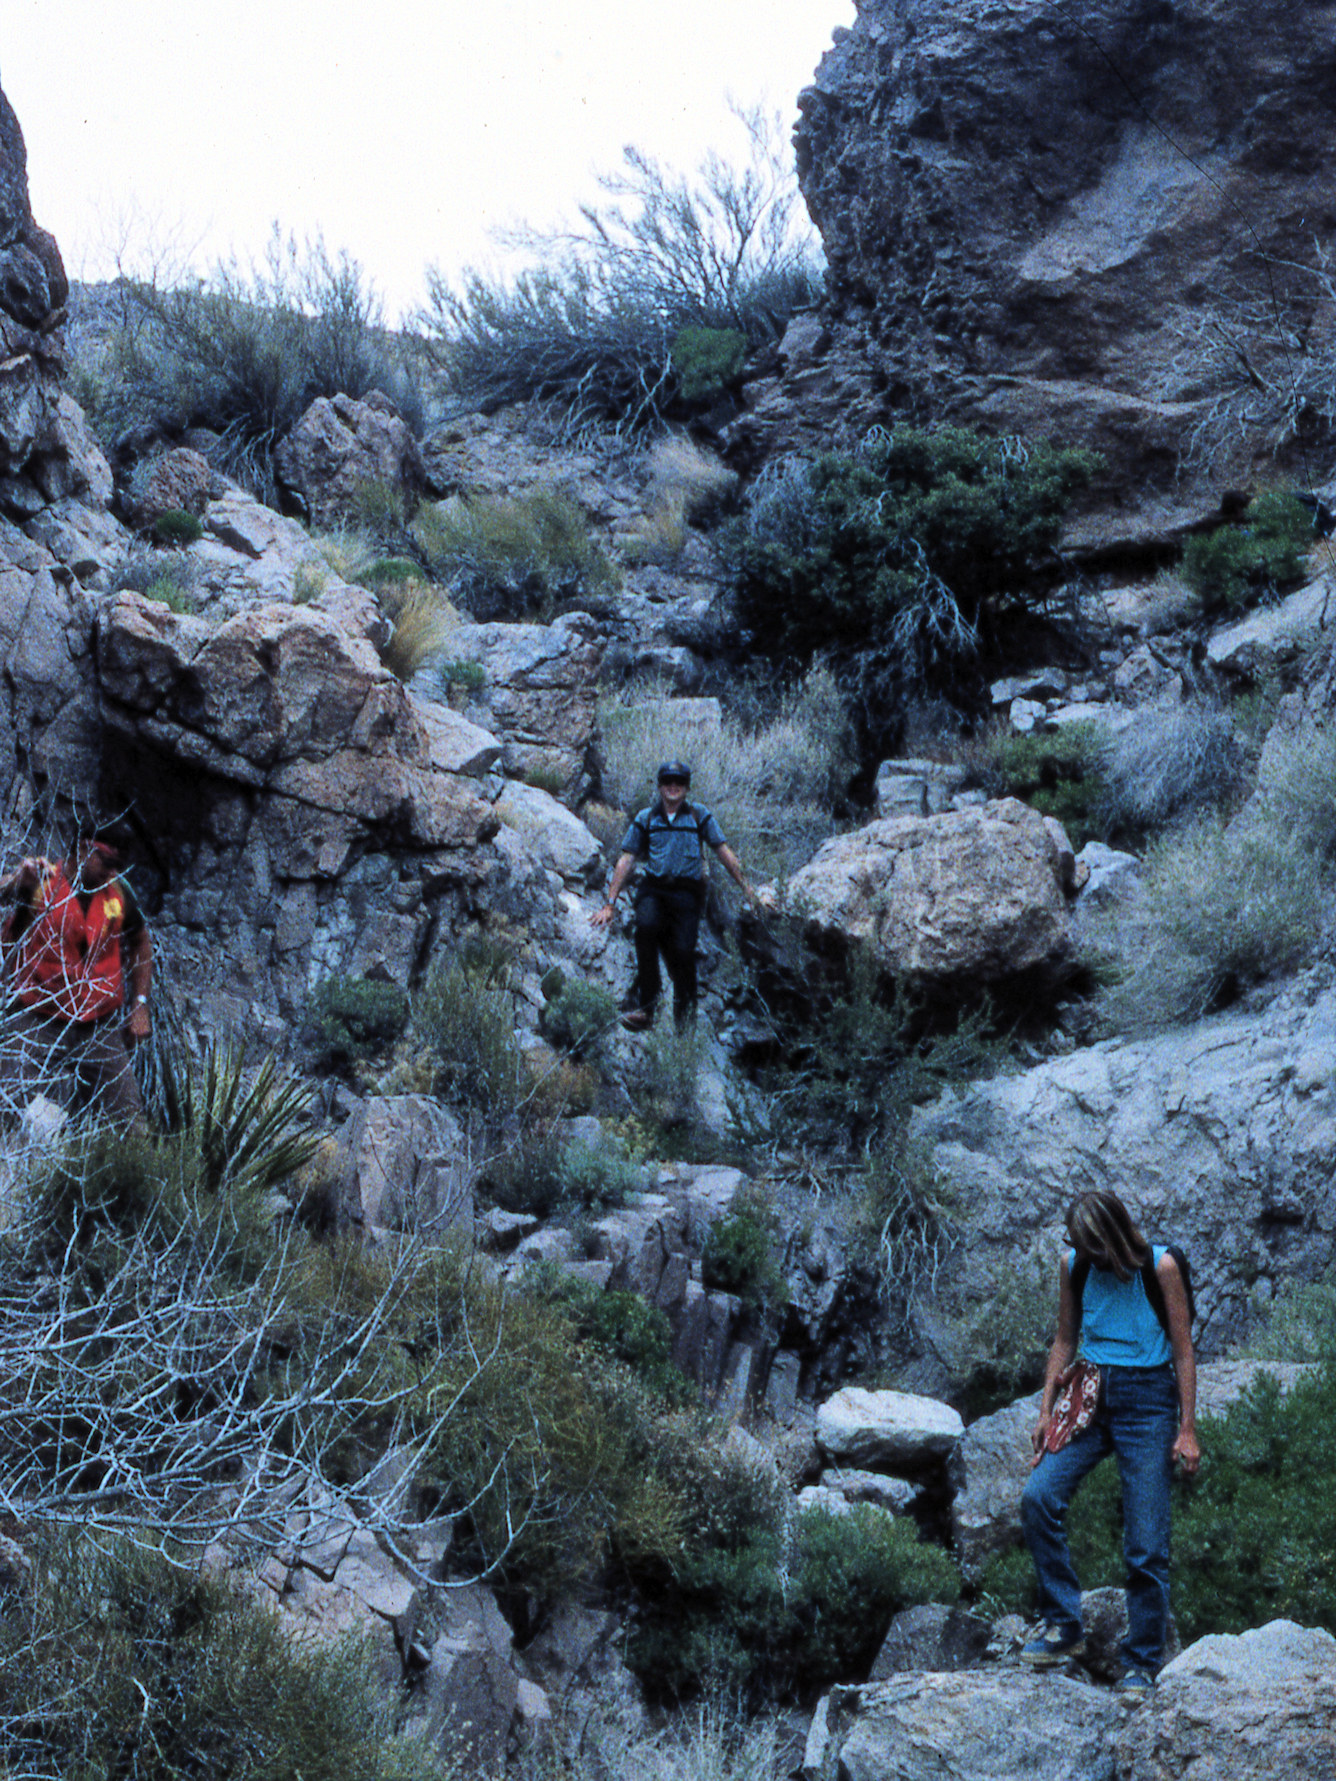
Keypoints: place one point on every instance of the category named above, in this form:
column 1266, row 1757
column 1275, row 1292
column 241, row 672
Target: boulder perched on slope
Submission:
column 971, row 895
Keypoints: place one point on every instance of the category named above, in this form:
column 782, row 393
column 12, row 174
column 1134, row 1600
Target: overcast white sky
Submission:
column 401, row 129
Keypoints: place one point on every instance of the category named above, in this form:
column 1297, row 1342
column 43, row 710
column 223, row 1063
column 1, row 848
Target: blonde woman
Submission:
column 1133, row 1393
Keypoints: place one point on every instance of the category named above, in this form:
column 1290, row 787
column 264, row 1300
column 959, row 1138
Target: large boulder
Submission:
column 886, row 1430
column 1220, row 1135
column 307, row 815
column 974, row 895
column 1242, row 1707
column 988, row 1725
column 1030, row 217
column 406, row 1166
column 342, row 445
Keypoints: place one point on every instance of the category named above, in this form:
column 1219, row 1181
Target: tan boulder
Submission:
column 975, row 894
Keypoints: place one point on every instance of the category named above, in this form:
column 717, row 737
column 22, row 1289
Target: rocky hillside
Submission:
column 534, row 1378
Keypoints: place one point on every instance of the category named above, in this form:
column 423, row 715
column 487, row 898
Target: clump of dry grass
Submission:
column 684, row 482
column 423, row 619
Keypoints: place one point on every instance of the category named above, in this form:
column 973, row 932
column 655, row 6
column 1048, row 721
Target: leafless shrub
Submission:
column 591, row 328
column 1300, row 785
column 1171, row 759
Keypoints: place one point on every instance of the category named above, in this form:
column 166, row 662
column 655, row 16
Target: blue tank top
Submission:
column 1118, row 1326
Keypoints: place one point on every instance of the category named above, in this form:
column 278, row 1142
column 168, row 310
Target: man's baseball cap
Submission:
column 675, row 770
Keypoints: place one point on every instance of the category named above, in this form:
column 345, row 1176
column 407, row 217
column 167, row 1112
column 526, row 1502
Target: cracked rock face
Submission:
column 1031, row 212
column 307, row 810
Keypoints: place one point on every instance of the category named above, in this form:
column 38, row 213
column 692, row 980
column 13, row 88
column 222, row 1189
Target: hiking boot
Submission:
column 1135, row 1685
column 1052, row 1645
column 637, row 1019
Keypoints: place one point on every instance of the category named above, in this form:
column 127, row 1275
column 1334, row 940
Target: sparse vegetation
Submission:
column 244, row 353
column 1221, row 909
column 1169, row 761
column 514, row 559
column 464, row 1017
column 578, row 1015
column 1300, row 786
column 598, row 330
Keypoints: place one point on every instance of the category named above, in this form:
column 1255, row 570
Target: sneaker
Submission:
column 1136, row 1684
column 1052, row 1646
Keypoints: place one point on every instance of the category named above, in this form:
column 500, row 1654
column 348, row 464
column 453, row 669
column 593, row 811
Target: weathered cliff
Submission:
column 1090, row 222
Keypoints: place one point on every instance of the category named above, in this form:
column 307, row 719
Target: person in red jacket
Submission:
column 79, row 972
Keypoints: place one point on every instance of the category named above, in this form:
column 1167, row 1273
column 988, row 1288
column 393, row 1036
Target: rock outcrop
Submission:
column 1035, row 216
column 341, row 446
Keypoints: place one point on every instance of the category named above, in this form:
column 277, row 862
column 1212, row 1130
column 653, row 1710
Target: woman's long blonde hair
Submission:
column 1101, row 1231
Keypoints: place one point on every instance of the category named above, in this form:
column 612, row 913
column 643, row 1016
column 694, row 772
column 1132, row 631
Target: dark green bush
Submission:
column 904, row 558
column 625, row 1326
column 706, row 360
column 119, row 1664
column 1236, row 566
column 1058, row 773
column 727, row 1618
column 1253, row 1532
column 470, row 676
column 350, row 1019
column 738, row 1254
column 578, row 1016
column 177, row 527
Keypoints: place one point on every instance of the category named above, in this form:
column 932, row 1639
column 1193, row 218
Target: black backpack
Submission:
column 1148, row 1280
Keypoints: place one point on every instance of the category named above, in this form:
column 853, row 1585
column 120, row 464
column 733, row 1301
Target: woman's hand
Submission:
column 1187, row 1452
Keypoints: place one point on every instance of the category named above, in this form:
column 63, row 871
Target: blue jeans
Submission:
column 1137, row 1420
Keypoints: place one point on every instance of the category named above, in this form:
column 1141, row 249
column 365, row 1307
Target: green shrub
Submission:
column 117, row 1663
column 624, row 1326
column 1221, row 909
column 164, row 575
column 525, row 1174
column 578, row 1016
column 176, row 527
column 1299, row 1324
column 849, row 1576
column 169, row 593
column 599, row 1175
column 1171, row 759
column 350, row 1019
column 1058, row 773
column 387, row 572
column 1236, row 566
column 738, row 1253
column 463, row 1015
column 706, row 360
column 1253, row 1532
column 513, row 559
column 470, row 677
column 899, row 560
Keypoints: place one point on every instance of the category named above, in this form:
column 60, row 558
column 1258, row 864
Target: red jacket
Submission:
column 67, row 960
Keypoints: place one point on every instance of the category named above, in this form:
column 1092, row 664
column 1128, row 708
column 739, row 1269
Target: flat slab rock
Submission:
column 879, row 1430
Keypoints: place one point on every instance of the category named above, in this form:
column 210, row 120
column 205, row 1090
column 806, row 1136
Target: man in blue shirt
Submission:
column 670, row 836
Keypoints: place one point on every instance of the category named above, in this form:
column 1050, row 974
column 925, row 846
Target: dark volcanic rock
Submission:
column 1034, row 216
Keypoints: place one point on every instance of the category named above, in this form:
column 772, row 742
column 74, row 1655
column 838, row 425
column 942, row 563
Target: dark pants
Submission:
column 78, row 1064
column 667, row 923
column 1136, row 1421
